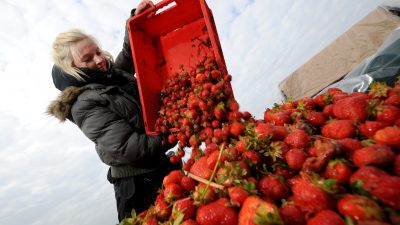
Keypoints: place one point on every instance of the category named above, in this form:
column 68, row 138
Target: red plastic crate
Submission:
column 178, row 34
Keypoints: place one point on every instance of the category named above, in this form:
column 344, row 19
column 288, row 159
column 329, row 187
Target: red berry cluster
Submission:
column 332, row 159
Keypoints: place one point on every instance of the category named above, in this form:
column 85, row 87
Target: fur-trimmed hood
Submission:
column 61, row 107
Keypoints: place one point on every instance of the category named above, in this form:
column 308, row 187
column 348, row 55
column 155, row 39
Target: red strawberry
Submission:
column 297, row 139
column 185, row 206
column 323, row 99
column 338, row 129
column 388, row 191
column 359, row 207
column 328, row 110
column 310, row 198
column 162, row 208
column 348, row 145
column 213, row 158
column 233, row 105
column 283, row 171
column 368, row 177
column 377, row 154
column 369, row 128
column 200, row 168
column 315, row 118
column 175, row 159
column 295, row 158
column 387, row 114
column 188, row 164
column 174, row 176
column 325, row 151
column 172, row 139
column 210, row 148
column 252, row 157
column 326, row 217
column 220, row 111
column 389, row 136
column 393, row 100
column 217, row 212
column 351, row 108
column 269, row 131
column 280, row 117
column 231, row 171
column 172, row 192
column 216, row 74
column 273, row 187
column 294, row 180
column 306, row 103
column 236, row 129
column 264, row 130
column 234, row 115
column 246, row 115
column 188, row 184
column 194, row 141
column 279, row 133
column 291, row 215
column 203, row 195
column 215, row 124
column 257, row 211
column 338, row 170
column 241, row 144
column 237, row 195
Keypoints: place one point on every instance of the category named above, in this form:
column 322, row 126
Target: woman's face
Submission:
column 87, row 54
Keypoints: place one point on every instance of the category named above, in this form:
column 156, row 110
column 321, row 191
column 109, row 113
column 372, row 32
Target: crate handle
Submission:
column 170, row 5
column 158, row 8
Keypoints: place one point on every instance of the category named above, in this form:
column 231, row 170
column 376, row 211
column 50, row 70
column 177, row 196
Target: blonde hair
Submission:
column 62, row 51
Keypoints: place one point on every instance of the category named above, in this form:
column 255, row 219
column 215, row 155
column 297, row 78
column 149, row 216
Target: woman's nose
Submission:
column 98, row 59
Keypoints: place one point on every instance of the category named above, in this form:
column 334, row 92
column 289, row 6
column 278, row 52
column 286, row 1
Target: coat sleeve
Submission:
column 117, row 142
column 124, row 59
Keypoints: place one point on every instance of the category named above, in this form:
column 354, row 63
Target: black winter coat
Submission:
column 107, row 109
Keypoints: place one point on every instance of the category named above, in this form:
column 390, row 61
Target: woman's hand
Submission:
column 143, row 5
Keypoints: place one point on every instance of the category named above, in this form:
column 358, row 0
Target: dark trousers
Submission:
column 138, row 192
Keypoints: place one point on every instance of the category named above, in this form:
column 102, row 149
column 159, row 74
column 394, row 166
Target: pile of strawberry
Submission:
column 332, row 159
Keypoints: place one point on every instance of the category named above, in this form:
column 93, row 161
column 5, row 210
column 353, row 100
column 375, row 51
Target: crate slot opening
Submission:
column 170, row 5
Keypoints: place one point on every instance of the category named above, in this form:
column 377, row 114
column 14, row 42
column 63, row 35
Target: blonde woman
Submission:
column 101, row 97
